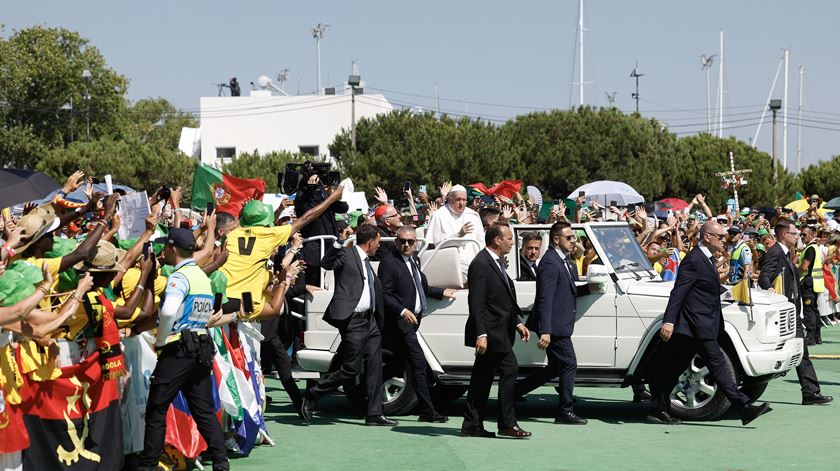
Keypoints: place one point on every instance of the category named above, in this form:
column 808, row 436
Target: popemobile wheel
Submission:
column 696, row 396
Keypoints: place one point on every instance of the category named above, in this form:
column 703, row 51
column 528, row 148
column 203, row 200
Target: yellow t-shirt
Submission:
column 53, row 266
column 250, row 248
column 129, row 282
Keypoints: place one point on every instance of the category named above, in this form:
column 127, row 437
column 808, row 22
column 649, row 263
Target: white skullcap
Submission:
column 457, row 188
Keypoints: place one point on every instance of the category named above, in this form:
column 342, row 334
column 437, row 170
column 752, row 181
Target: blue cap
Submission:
column 178, row 237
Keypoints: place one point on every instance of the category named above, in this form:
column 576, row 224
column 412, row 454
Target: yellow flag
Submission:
column 741, row 292
column 779, row 285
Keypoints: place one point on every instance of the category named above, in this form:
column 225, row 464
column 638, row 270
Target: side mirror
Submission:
column 597, row 274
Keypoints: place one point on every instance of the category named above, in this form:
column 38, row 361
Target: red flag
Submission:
column 506, row 188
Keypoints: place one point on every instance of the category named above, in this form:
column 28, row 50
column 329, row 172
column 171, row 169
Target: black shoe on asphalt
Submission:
column 817, row 398
column 306, row 406
column 643, row 396
column 570, row 418
column 381, row 420
column 752, row 412
column 479, row 433
column 662, row 417
column 434, row 418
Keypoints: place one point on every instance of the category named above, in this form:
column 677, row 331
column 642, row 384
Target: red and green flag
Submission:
column 506, row 188
column 226, row 192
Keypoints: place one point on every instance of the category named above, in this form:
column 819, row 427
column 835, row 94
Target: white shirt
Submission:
column 364, row 301
column 445, row 224
column 409, row 263
column 563, row 258
column 496, row 259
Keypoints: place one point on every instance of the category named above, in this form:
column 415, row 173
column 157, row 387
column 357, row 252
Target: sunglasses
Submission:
column 569, row 237
column 406, row 241
column 719, row 236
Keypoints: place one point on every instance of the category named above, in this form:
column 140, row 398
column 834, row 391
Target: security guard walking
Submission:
column 811, row 277
column 185, row 353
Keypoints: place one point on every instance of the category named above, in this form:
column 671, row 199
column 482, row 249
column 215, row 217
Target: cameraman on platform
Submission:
column 308, row 196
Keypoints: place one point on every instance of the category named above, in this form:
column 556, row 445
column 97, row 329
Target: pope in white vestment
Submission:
column 456, row 220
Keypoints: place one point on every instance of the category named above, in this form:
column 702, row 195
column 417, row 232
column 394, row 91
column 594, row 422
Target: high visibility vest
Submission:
column 736, row 267
column 815, row 270
column 197, row 307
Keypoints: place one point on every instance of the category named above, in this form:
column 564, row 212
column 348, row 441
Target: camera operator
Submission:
column 308, row 196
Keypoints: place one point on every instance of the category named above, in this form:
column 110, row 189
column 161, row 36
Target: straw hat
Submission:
column 106, row 258
column 36, row 224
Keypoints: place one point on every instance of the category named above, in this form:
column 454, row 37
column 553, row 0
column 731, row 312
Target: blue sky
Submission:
column 490, row 58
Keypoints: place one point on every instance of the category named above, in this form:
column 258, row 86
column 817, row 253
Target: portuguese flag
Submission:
column 227, row 192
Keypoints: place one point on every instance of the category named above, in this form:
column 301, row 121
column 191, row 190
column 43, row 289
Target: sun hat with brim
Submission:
column 763, row 232
column 106, row 258
column 34, row 225
column 255, row 213
column 18, row 282
column 760, row 247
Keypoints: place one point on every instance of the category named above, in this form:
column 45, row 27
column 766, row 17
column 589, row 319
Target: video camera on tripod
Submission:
column 295, row 175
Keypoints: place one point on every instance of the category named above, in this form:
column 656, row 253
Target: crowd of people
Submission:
column 166, row 336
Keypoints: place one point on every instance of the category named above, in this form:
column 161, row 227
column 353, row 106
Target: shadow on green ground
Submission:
column 616, row 438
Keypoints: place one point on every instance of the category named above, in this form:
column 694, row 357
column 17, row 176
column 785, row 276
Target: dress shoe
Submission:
column 752, row 412
column 479, row 433
column 643, row 396
column 662, row 417
column 817, row 398
column 570, row 418
column 381, row 420
column 306, row 406
column 434, row 418
column 514, row 432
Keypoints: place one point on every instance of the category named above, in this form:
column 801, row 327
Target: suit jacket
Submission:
column 307, row 198
column 349, row 284
column 526, row 273
column 493, row 308
column 775, row 262
column 694, row 305
column 398, row 285
column 386, row 247
column 555, row 304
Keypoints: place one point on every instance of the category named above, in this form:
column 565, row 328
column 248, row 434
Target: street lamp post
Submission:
column 86, row 76
column 353, row 81
column 775, row 105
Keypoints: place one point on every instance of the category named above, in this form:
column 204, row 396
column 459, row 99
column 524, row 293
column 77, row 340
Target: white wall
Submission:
column 279, row 123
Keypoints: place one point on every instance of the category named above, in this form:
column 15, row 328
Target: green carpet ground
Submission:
column 617, row 437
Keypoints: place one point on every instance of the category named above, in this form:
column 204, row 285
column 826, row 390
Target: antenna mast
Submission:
column 785, row 115
column 799, row 118
column 580, row 43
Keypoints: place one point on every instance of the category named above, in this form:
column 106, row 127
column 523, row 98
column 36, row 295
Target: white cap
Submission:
column 458, row 188
column 287, row 213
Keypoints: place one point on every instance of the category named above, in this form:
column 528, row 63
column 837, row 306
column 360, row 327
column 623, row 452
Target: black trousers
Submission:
column 562, row 364
column 417, row 364
column 484, row 368
column 273, row 352
column 177, row 370
column 806, row 373
column 361, row 347
column 811, row 316
column 675, row 356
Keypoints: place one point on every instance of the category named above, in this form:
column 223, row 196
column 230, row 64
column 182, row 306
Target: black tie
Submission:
column 714, row 262
column 504, row 271
column 572, row 269
column 418, row 285
column 371, row 287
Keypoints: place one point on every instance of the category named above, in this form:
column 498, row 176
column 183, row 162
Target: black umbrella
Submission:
column 20, row 186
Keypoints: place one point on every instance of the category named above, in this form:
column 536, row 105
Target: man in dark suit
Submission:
column 357, row 311
column 406, row 289
column 776, row 262
column 553, row 317
column 528, row 256
column 692, row 323
column 491, row 326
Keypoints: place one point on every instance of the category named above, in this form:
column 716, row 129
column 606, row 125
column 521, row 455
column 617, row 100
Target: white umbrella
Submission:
column 607, row 191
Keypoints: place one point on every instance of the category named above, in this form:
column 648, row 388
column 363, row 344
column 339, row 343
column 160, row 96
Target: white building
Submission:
column 265, row 123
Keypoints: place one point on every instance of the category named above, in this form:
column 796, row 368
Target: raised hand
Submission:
column 445, row 187
column 73, row 182
column 380, row 195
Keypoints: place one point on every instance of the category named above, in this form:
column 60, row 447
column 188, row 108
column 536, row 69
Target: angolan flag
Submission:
column 226, row 192
column 74, row 421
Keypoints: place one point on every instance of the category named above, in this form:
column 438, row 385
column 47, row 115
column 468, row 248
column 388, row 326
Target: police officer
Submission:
column 185, row 353
column 811, row 277
column 740, row 256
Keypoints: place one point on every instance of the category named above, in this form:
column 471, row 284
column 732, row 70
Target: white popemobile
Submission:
column 615, row 333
